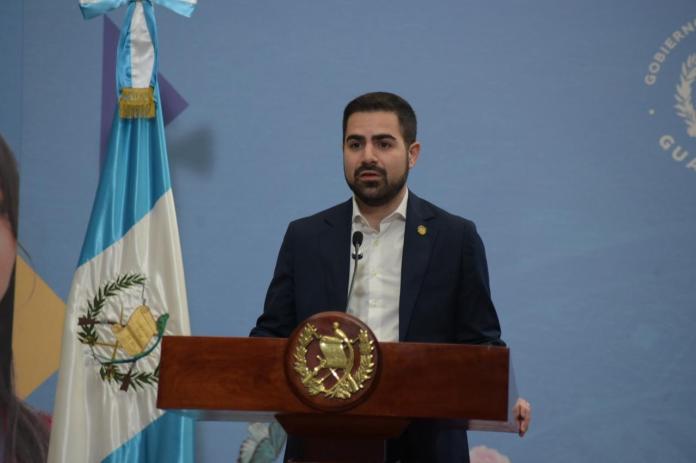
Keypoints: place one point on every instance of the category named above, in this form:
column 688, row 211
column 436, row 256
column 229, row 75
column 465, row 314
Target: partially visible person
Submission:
column 23, row 433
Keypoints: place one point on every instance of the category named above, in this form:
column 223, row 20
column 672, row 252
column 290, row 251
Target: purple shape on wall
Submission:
column 173, row 103
column 108, row 97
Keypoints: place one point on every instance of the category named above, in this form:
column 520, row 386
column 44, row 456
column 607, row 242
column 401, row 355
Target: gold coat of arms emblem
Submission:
column 333, row 358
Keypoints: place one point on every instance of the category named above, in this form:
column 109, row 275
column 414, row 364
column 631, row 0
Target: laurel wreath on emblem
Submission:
column 132, row 341
column 685, row 108
column 346, row 384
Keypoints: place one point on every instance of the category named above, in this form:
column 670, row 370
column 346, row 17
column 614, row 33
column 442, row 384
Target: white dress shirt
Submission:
column 375, row 297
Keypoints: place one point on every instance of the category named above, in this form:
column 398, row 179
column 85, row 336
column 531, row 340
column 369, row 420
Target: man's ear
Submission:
column 413, row 153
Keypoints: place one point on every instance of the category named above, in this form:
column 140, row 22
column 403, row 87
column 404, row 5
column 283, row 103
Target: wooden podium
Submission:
column 245, row 379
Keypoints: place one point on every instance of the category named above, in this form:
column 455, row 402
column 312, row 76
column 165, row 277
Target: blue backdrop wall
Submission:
column 551, row 124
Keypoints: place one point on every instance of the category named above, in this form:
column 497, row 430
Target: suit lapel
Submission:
column 419, row 237
column 334, row 245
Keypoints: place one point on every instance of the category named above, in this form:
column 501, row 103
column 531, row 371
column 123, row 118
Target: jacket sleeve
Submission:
column 477, row 320
column 279, row 315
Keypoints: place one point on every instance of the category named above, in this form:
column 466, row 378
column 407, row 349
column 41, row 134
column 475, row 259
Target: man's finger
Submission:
column 523, row 412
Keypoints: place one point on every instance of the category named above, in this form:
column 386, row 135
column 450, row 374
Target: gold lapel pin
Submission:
column 422, row 230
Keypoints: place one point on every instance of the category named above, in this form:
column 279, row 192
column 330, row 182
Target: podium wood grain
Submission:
column 216, row 378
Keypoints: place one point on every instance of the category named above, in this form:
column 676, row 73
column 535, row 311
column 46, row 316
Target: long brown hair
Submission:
column 23, row 434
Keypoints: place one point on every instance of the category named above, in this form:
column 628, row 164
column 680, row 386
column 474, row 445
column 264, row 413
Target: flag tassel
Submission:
column 137, row 103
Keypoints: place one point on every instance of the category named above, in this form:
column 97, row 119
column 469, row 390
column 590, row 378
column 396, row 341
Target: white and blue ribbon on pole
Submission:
column 137, row 55
column 92, row 8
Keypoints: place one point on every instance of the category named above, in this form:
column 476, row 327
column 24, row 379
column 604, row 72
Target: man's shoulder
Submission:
column 423, row 209
column 332, row 216
column 452, row 228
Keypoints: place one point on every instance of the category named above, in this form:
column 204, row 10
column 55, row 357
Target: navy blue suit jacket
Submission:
column 444, row 297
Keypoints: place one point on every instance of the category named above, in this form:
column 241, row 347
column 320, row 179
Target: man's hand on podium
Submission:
column 523, row 415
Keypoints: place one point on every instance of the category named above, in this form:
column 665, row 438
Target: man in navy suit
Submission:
column 422, row 275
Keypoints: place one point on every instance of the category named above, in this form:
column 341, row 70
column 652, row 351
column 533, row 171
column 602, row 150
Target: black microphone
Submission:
column 357, row 242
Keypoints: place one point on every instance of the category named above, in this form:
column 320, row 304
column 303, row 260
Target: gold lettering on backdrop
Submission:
column 666, row 141
column 679, row 154
column 692, row 165
column 666, row 47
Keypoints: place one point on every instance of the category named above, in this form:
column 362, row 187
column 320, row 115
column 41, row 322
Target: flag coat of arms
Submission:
column 128, row 290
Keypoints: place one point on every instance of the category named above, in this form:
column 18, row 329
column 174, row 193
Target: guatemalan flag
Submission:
column 128, row 290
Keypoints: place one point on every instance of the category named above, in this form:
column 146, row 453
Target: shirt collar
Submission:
column 399, row 212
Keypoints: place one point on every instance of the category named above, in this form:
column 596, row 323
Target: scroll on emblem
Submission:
column 137, row 333
column 331, row 361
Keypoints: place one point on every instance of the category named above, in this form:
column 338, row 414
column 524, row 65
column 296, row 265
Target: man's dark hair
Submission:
column 384, row 101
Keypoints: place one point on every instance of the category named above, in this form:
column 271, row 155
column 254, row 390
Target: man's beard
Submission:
column 376, row 192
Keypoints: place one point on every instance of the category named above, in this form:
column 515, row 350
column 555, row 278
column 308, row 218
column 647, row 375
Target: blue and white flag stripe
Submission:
column 129, row 201
column 157, row 442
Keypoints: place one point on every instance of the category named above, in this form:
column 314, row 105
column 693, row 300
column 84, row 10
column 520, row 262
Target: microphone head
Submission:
column 357, row 238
